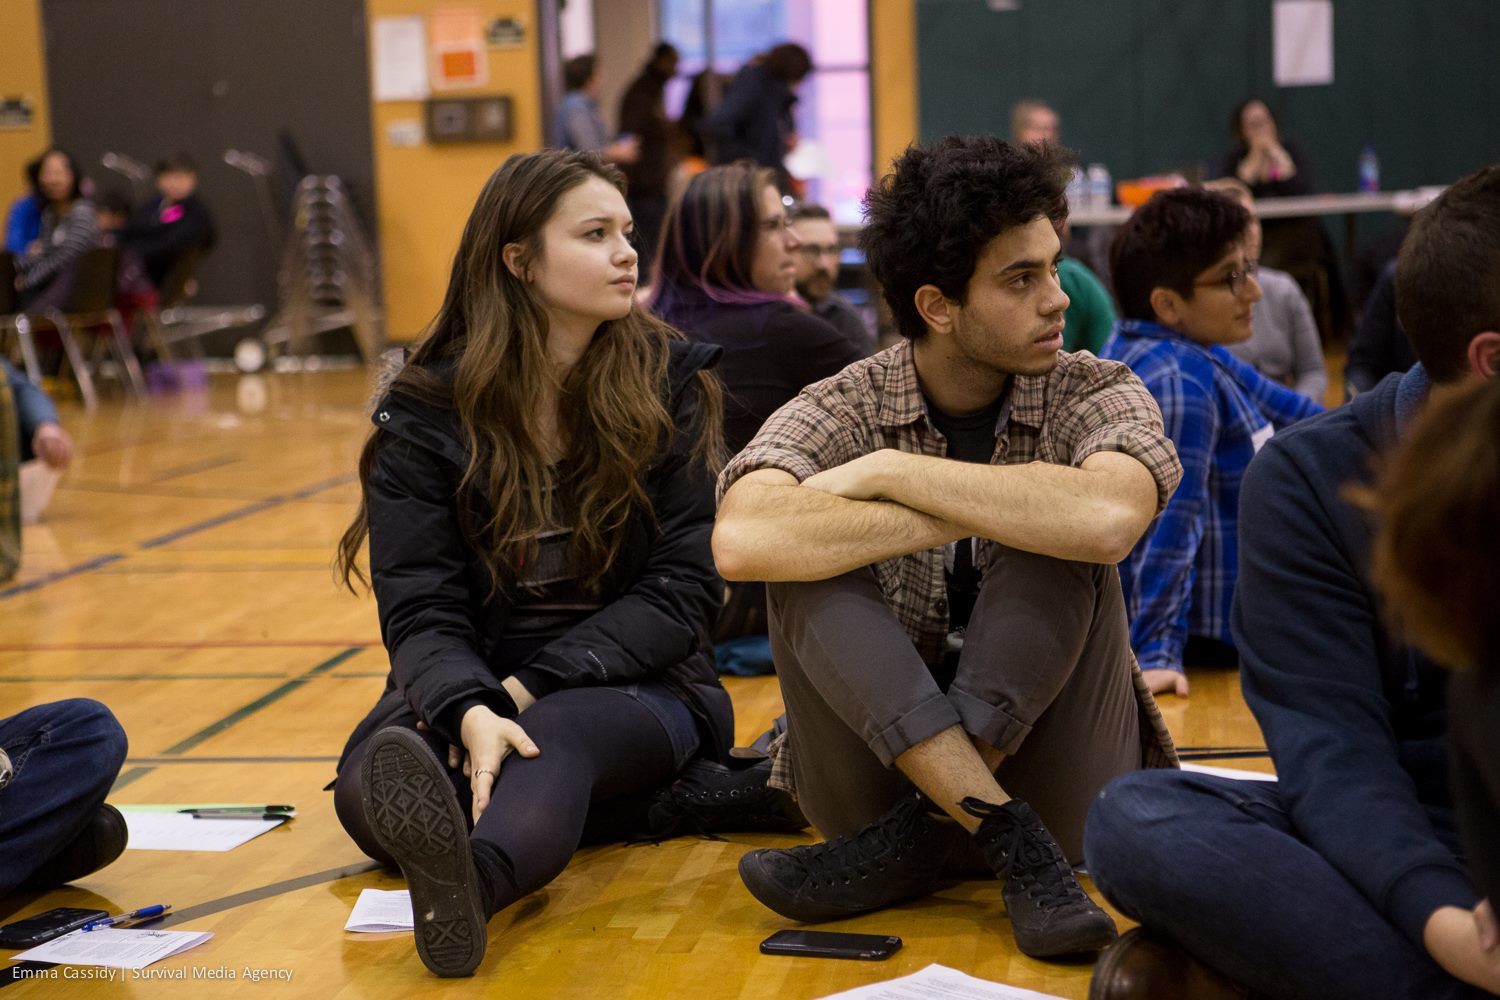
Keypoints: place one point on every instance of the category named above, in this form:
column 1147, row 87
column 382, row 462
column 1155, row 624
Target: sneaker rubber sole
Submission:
column 415, row 816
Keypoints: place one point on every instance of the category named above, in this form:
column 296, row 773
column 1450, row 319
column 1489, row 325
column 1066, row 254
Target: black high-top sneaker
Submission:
column 709, row 797
column 415, row 816
column 101, row 841
column 900, row 855
column 1050, row 913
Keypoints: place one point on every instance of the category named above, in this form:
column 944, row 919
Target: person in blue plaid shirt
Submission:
column 1185, row 286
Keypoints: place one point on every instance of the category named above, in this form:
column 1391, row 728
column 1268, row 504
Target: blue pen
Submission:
column 144, row 913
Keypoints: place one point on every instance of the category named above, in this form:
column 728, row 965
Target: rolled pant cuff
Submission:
column 921, row 723
column 994, row 725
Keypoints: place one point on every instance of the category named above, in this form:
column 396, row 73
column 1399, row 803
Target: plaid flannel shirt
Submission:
column 1083, row 406
column 1179, row 579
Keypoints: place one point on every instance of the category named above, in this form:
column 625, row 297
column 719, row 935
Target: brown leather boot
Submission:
column 1146, row 966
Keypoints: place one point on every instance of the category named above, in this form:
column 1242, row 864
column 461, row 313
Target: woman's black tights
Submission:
column 600, row 751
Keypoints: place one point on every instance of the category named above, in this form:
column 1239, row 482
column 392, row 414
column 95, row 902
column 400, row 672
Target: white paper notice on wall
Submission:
column 398, row 59
column 1302, row 35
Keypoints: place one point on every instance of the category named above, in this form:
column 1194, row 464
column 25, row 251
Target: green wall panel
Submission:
column 1147, row 86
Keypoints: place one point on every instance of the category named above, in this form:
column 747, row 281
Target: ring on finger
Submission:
column 484, row 770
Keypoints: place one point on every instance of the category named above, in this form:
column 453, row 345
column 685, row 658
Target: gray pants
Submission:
column 1045, row 676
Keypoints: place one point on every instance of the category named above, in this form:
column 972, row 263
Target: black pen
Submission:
column 222, row 815
column 237, row 810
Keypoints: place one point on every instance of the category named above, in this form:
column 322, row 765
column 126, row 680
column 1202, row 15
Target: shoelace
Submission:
column 1029, row 859
column 860, row 852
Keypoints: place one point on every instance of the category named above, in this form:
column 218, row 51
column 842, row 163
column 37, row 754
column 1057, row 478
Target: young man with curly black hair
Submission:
column 939, row 525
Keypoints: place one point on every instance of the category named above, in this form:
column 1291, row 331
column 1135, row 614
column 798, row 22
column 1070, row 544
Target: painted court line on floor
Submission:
column 172, row 536
column 191, row 468
column 248, row 510
column 271, row 697
column 77, row 647
column 19, row 972
column 236, row 717
column 64, row 574
column 155, row 761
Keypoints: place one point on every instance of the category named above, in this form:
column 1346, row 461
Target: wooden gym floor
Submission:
column 182, row 577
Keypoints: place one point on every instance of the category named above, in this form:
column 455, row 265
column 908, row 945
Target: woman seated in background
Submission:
column 1283, row 344
column 44, row 273
column 725, row 276
column 1274, row 167
column 538, row 498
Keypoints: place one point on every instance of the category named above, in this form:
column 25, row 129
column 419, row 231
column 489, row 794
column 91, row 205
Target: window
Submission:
column 833, row 110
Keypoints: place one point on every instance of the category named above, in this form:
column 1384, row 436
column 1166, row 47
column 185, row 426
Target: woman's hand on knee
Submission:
column 488, row 740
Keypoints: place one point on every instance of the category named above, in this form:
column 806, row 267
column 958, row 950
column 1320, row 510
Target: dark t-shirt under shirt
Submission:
column 971, row 438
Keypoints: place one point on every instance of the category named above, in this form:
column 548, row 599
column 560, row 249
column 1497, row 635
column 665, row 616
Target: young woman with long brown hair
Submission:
column 538, row 502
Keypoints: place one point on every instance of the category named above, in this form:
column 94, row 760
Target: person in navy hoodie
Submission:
column 1185, row 283
column 172, row 225
column 1345, row 878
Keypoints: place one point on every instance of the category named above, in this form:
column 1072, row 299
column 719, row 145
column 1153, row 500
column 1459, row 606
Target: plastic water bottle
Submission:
column 1369, row 171
column 1099, row 186
column 1077, row 190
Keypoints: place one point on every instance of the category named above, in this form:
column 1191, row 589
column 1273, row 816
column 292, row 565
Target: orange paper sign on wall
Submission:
column 458, row 54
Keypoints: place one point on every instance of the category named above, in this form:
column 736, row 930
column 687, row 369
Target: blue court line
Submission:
column 246, row 511
column 192, row 529
column 62, row 574
column 191, row 468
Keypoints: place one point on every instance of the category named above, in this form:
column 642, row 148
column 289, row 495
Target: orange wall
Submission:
column 423, row 194
column 893, row 70
column 23, row 73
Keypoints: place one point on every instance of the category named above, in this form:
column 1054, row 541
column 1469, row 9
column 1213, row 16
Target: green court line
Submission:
column 263, row 892
column 134, row 774
column 270, row 698
column 231, row 760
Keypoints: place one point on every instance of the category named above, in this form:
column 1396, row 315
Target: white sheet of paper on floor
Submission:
column 114, row 948
column 379, row 910
column 152, row 829
column 1229, row 772
column 938, row 982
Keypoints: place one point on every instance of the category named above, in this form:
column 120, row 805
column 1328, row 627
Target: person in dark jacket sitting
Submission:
column 538, row 498
column 173, row 224
column 1344, row 878
column 725, row 276
column 1437, row 562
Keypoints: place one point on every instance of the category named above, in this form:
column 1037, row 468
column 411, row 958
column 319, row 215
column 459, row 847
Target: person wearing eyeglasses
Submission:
column 818, row 274
column 1185, row 284
column 725, row 275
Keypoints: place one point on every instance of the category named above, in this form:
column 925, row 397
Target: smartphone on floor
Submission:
column 45, row 926
column 826, row 944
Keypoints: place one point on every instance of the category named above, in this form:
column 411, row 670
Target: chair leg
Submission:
column 126, row 354
column 28, row 350
column 156, row 337
column 75, row 359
